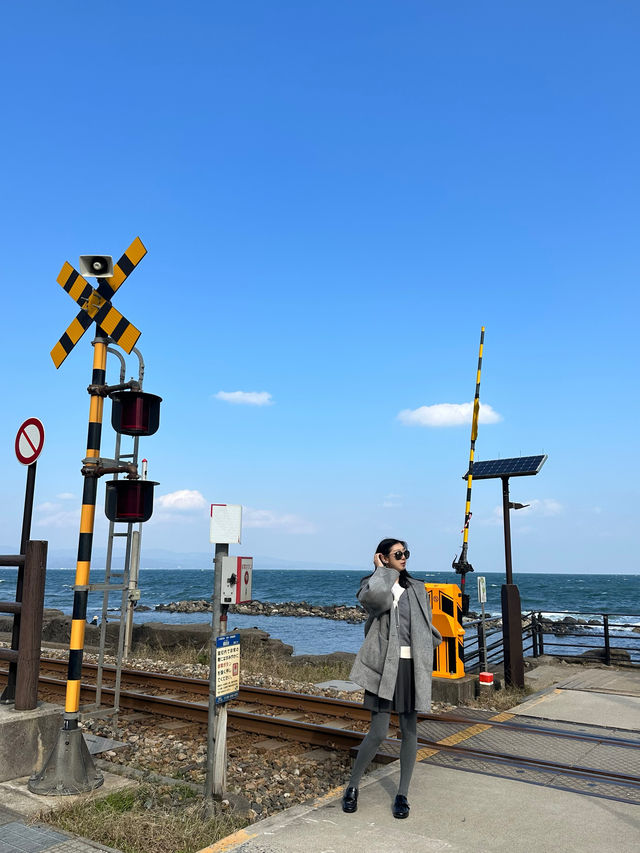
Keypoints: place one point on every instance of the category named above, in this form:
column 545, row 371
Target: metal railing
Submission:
column 603, row 636
column 599, row 635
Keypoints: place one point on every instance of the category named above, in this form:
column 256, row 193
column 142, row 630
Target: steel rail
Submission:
column 197, row 712
column 535, row 763
column 336, row 738
column 342, row 707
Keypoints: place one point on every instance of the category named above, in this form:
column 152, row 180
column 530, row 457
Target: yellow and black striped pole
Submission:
column 70, row 768
column 85, row 539
column 461, row 565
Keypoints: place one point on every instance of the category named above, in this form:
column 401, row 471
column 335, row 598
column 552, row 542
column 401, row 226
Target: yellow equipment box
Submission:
column 446, row 609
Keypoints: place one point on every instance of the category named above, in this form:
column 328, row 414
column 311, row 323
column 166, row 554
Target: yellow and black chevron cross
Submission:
column 96, row 306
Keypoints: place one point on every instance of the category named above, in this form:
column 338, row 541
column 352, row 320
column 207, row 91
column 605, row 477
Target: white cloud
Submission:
column 392, row 501
column 184, row 500
column 447, row 414
column 245, row 398
column 49, row 514
column 65, row 496
column 545, row 508
column 266, row 519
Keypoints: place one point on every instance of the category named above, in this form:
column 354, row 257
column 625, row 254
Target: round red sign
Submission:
column 29, row 441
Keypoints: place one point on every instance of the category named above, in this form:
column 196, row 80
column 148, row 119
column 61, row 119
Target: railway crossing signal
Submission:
column 69, row 768
column 95, row 304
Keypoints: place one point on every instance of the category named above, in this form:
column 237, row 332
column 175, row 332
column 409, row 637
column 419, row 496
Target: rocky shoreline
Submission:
column 356, row 614
column 339, row 612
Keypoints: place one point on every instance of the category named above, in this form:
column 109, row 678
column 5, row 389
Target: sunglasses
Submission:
column 398, row 555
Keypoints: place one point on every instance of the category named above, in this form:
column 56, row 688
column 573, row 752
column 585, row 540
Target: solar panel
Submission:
column 519, row 466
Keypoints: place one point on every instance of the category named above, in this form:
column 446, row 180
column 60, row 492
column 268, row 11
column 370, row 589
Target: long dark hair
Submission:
column 384, row 548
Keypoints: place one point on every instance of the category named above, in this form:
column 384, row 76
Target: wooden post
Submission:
column 31, row 626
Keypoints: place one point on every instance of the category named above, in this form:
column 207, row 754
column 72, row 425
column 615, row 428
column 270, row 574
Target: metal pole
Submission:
column 134, row 570
column 462, row 566
column 507, row 528
column 483, row 664
column 607, row 640
column 511, row 612
column 214, row 781
column 28, row 507
column 109, row 557
column 9, row 693
column 70, row 768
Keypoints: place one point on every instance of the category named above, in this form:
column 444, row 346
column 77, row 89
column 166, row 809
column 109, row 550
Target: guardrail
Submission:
column 604, row 636
column 592, row 637
column 28, row 606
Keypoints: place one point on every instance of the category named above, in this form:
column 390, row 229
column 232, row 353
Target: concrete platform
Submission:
column 480, row 811
column 450, row 811
column 591, row 696
column 21, row 833
column 34, row 731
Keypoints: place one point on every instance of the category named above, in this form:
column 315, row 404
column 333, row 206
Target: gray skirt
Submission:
column 404, row 696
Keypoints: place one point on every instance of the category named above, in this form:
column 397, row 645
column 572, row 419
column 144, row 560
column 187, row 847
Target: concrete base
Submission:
column 15, row 795
column 26, row 738
column 455, row 691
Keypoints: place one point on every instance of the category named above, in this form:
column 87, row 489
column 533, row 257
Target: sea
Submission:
column 557, row 595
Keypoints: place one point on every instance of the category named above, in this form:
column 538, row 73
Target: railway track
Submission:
column 269, row 713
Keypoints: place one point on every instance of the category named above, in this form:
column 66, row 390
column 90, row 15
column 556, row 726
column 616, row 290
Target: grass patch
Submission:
column 175, row 654
column 500, row 700
column 264, row 662
column 255, row 660
column 162, row 819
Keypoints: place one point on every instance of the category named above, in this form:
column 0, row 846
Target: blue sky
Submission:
column 335, row 197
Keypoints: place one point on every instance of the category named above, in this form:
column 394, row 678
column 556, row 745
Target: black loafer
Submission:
column 400, row 807
column 350, row 800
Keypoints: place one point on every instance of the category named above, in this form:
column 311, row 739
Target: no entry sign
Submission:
column 29, row 441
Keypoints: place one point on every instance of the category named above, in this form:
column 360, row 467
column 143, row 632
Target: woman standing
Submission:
column 394, row 664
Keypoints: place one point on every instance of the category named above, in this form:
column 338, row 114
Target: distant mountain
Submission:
column 159, row 558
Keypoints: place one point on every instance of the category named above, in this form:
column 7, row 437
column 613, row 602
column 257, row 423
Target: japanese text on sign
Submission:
column 227, row 667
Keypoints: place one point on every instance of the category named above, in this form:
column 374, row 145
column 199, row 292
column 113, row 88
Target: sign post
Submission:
column 28, row 446
column 482, row 598
column 226, row 529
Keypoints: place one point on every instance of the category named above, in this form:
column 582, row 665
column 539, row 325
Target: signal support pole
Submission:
column 215, row 780
column 511, row 612
column 70, row 768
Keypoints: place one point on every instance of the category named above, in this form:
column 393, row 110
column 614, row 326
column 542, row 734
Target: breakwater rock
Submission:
column 339, row 612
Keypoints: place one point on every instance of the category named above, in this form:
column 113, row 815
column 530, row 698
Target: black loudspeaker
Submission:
column 100, row 266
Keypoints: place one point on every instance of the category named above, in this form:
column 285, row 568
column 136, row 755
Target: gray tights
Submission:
column 377, row 733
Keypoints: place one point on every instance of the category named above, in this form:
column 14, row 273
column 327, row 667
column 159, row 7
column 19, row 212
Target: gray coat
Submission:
column 376, row 665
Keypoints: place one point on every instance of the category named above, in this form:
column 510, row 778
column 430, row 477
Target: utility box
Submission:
column 446, row 609
column 236, row 580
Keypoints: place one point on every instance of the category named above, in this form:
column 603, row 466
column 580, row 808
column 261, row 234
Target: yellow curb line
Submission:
column 230, row 841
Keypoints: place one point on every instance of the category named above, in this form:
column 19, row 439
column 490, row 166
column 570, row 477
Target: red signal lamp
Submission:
column 135, row 412
column 129, row 500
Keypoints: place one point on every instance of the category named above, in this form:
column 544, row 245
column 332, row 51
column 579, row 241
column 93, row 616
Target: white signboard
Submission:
column 227, row 667
column 226, row 524
column 482, row 590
